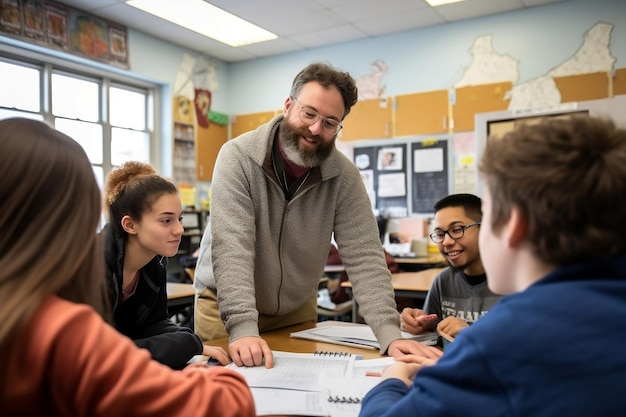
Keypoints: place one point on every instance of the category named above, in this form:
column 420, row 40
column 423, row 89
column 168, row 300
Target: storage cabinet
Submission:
column 209, row 141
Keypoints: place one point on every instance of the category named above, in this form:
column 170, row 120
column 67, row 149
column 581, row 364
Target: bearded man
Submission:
column 278, row 195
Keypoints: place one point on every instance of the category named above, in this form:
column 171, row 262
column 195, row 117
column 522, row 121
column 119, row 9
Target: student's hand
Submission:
column 402, row 371
column 406, row 367
column 251, row 351
column 216, row 353
column 401, row 347
column 451, row 326
column 415, row 321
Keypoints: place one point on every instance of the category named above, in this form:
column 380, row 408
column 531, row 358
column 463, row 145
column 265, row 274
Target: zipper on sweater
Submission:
column 280, row 247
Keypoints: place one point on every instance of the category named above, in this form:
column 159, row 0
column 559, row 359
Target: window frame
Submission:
column 106, row 78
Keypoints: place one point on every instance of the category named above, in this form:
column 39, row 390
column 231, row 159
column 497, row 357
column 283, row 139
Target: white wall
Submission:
column 428, row 59
column 434, row 58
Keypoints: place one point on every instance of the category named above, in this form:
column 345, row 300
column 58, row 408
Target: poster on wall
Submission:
column 118, row 44
column 10, row 17
column 383, row 171
column 430, row 174
column 34, row 20
column 57, row 26
column 89, row 35
column 390, row 158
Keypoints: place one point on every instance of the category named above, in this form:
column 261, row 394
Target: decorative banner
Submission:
column 203, row 106
column 204, row 79
column 60, row 27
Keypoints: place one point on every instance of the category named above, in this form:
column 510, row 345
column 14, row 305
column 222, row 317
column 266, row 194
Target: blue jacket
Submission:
column 552, row 350
column 144, row 317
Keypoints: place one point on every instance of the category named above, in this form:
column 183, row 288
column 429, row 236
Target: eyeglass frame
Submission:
column 317, row 117
column 447, row 232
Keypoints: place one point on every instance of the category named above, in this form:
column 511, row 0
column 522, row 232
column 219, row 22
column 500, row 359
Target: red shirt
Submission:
column 70, row 363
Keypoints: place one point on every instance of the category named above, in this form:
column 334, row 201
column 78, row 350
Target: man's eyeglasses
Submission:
column 310, row 116
column 455, row 232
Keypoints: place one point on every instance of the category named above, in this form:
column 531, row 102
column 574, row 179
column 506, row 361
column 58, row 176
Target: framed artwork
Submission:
column 57, row 26
column 33, row 20
column 88, row 35
column 118, row 44
column 10, row 17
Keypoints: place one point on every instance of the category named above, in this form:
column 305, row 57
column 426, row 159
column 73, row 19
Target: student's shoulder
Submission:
column 57, row 316
column 55, row 308
column 446, row 274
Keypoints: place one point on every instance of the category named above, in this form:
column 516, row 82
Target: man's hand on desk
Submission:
column 451, row 326
column 401, row 347
column 251, row 351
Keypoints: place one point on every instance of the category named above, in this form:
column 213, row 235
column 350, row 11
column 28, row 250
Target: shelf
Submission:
column 184, row 154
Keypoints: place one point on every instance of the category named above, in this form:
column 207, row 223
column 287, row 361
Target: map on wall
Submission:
column 370, row 86
column 489, row 66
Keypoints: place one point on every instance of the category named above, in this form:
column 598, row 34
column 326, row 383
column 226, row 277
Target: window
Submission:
column 129, row 138
column 110, row 119
column 20, row 87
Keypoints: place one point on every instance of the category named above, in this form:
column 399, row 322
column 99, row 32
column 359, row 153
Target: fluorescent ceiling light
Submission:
column 206, row 19
column 435, row 3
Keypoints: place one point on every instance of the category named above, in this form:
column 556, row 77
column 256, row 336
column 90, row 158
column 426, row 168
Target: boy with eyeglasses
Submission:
column 553, row 228
column 459, row 295
column 279, row 193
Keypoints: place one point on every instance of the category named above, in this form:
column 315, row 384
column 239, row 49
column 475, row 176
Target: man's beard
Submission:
column 290, row 141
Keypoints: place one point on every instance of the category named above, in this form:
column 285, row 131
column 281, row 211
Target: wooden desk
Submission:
column 414, row 284
column 434, row 260
column 179, row 295
column 280, row 340
column 405, row 284
column 180, row 299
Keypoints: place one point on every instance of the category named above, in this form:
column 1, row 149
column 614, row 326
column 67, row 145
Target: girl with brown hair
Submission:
column 59, row 356
column 144, row 229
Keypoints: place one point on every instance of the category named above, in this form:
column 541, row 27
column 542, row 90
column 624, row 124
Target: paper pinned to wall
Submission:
column 392, row 185
column 428, row 160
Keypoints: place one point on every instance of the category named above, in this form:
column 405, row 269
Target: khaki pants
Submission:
column 209, row 325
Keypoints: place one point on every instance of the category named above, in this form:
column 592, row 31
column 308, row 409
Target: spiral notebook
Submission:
column 342, row 395
column 300, row 383
column 297, row 371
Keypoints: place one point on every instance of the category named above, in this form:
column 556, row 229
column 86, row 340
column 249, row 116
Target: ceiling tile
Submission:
column 401, row 22
column 303, row 24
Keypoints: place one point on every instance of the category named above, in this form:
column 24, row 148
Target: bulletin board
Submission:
column 383, row 169
column 246, row 122
column 475, row 99
column 368, row 119
column 429, row 173
column 583, row 87
column 413, row 180
column 423, row 113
